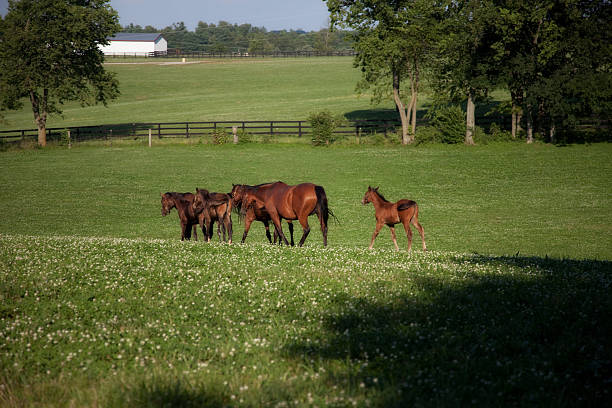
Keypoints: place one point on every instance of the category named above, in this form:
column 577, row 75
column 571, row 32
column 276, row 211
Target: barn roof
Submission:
column 146, row 37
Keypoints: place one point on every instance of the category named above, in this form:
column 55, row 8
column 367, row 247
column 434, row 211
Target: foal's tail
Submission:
column 407, row 205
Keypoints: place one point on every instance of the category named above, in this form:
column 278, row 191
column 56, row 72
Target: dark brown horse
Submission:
column 215, row 207
column 183, row 203
column 282, row 201
column 404, row 211
column 254, row 212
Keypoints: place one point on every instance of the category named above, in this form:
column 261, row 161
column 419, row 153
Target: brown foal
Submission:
column 404, row 211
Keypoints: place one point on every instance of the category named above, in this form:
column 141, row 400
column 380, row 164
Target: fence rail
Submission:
column 299, row 128
column 172, row 53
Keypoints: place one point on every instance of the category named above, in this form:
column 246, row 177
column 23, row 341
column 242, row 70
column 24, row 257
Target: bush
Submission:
column 323, row 125
column 219, row 136
column 449, row 121
column 495, row 134
column 427, row 134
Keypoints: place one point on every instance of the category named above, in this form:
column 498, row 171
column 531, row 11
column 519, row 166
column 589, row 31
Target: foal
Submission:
column 214, row 207
column 182, row 202
column 404, row 211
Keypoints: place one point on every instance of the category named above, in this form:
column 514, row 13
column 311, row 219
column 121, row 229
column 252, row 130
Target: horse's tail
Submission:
column 407, row 205
column 322, row 206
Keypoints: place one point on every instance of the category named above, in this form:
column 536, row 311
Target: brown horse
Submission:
column 282, row 201
column 254, row 212
column 404, row 211
column 214, row 207
column 183, row 204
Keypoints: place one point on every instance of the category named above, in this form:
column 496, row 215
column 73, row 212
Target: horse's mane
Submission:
column 382, row 197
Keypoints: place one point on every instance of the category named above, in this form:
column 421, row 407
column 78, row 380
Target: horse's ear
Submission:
column 376, row 189
column 162, row 194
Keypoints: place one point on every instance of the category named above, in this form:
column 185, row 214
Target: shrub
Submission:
column 449, row 120
column 219, row 136
column 427, row 134
column 323, row 125
column 495, row 134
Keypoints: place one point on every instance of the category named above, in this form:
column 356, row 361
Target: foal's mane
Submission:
column 382, row 197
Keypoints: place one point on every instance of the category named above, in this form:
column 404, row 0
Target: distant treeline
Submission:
column 224, row 37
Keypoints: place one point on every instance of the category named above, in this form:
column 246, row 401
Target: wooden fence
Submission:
column 297, row 128
column 172, row 53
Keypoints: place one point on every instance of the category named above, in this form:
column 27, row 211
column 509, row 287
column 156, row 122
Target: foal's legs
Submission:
column 393, row 237
column 379, row 225
column 408, row 233
column 418, row 226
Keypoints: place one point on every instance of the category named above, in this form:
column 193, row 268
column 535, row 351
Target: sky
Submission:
column 308, row 15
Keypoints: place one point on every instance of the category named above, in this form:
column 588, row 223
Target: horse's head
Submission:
column 367, row 198
column 199, row 202
column 237, row 192
column 167, row 203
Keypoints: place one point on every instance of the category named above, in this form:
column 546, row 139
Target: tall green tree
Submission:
column 49, row 54
column 395, row 40
column 466, row 69
column 556, row 57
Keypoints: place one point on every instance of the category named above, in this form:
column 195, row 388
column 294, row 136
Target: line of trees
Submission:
column 225, row 37
column 554, row 56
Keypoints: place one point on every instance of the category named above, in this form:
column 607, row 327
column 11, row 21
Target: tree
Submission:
column 49, row 54
column 466, row 69
column 394, row 40
column 557, row 60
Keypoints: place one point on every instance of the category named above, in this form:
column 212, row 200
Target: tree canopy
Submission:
column 49, row 54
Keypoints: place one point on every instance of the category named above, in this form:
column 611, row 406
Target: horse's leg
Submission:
column 186, row 231
column 323, row 229
column 408, row 233
column 393, row 237
column 291, row 232
column 277, row 224
column 247, row 225
column 195, row 232
column 415, row 222
column 305, row 227
column 267, row 225
column 379, row 225
column 228, row 226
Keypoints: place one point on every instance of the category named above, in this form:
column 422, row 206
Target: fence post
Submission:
column 159, row 130
column 235, row 132
column 271, row 129
column 69, row 142
column 187, row 130
column 300, row 128
column 149, row 137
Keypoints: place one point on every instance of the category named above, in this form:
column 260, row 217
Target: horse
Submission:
column 404, row 211
column 183, row 204
column 254, row 213
column 297, row 202
column 214, row 207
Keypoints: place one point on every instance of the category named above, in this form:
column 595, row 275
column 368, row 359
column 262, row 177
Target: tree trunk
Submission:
column 553, row 133
column 529, row 128
column 414, row 88
column 400, row 107
column 39, row 108
column 470, row 120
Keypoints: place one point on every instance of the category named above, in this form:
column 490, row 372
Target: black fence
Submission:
column 172, row 53
column 297, row 128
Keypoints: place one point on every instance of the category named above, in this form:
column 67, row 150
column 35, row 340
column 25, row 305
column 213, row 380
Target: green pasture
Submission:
column 217, row 90
column 102, row 305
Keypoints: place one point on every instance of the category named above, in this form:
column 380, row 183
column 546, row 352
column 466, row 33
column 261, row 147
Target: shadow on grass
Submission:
column 168, row 393
column 538, row 333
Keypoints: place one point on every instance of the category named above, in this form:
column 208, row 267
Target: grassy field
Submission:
column 258, row 89
column 102, row 305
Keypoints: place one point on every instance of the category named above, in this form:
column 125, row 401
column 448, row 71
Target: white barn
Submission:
column 137, row 44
